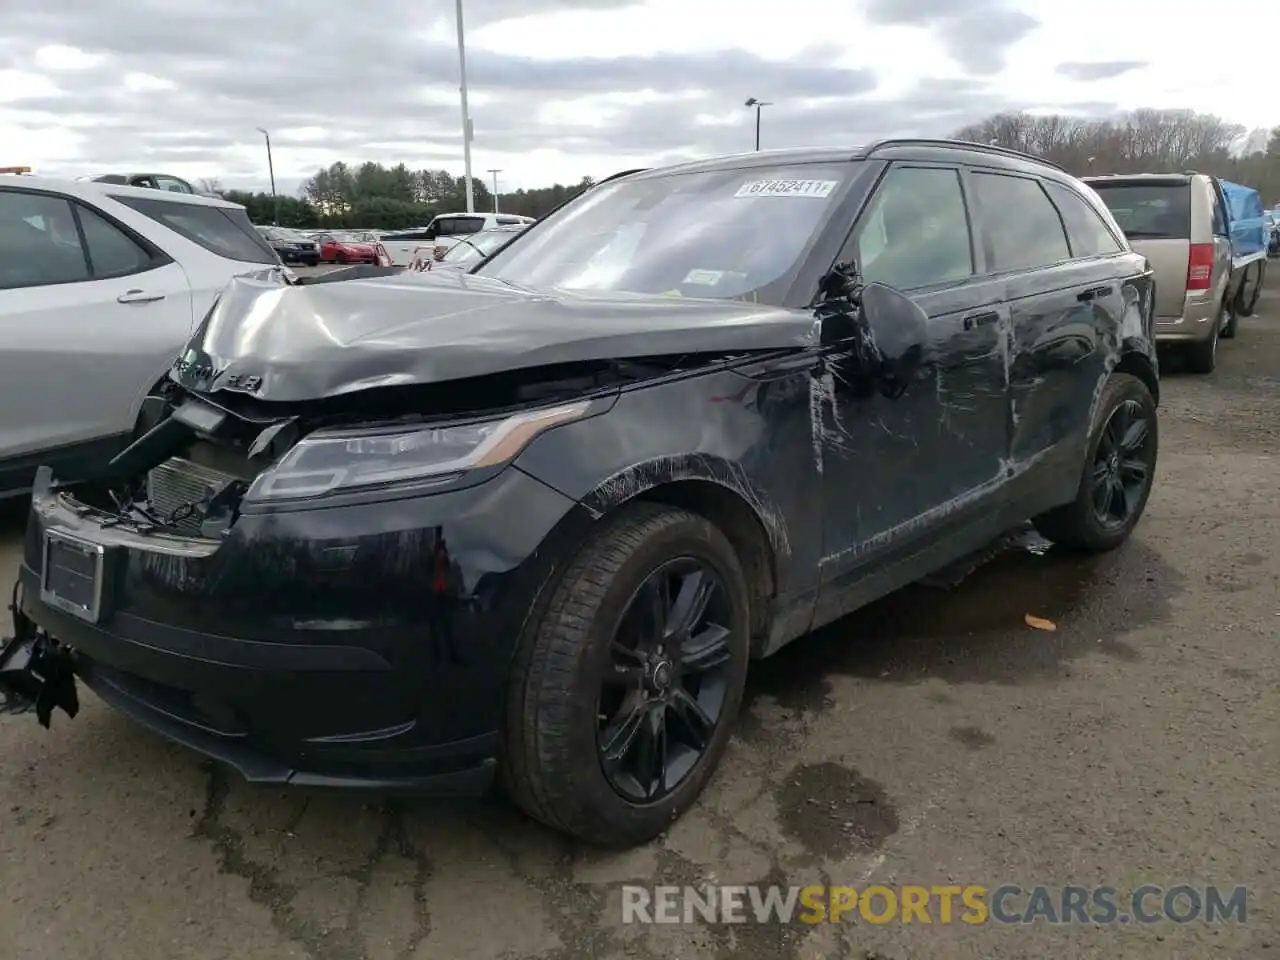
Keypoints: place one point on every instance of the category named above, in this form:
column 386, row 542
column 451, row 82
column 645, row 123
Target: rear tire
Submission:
column 571, row 663
column 1202, row 357
column 1247, row 300
column 1119, row 450
column 1231, row 313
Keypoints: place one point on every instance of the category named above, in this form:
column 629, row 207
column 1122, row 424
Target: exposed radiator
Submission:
column 177, row 483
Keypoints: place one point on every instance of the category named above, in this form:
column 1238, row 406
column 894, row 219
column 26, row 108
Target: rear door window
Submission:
column 1149, row 211
column 224, row 231
column 1088, row 234
column 1025, row 229
column 112, row 252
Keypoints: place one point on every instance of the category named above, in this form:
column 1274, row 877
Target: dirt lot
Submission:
column 933, row 739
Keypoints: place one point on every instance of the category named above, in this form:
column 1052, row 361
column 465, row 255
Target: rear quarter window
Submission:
column 224, row 231
column 1149, row 211
column 1087, row 233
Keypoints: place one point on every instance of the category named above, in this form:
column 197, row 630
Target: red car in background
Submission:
column 347, row 248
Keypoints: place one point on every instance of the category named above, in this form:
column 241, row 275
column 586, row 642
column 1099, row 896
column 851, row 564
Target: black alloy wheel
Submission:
column 662, row 699
column 628, row 677
column 1118, row 474
column 1122, row 465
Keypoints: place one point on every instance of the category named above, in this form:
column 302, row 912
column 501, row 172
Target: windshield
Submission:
column 720, row 234
column 480, row 245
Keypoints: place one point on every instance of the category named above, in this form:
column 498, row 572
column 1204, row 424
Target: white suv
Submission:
column 403, row 247
column 100, row 287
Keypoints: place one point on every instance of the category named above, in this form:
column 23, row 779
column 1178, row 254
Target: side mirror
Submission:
column 900, row 329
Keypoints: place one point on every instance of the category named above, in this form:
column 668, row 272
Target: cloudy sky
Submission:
column 560, row 89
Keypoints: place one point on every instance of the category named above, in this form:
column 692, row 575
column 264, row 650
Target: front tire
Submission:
column 625, row 687
column 1119, row 470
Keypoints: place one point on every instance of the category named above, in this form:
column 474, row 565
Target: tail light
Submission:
column 1200, row 266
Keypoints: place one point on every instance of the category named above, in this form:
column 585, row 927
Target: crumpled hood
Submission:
column 290, row 343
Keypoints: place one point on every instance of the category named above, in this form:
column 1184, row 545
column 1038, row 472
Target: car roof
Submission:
column 93, row 189
column 1152, row 179
column 481, row 213
column 893, row 148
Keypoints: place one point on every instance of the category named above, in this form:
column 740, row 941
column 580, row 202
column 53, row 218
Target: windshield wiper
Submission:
column 1149, row 235
column 471, row 245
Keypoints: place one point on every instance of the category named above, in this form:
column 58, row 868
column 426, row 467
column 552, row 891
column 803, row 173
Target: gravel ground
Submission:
column 933, row 738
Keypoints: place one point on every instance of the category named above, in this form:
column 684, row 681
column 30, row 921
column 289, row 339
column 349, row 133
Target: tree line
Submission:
column 378, row 197
column 1144, row 141
column 389, row 198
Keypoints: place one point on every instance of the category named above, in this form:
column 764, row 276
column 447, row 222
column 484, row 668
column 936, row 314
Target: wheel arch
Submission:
column 1140, row 365
column 723, row 494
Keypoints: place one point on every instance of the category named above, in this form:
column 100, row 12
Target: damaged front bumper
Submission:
column 326, row 646
column 36, row 673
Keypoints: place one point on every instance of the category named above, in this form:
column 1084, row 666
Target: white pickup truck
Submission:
column 432, row 242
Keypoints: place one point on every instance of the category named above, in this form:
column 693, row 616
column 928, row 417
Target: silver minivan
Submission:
column 1179, row 223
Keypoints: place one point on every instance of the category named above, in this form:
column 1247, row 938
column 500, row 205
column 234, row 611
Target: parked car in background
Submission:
column 100, row 285
column 538, row 518
column 153, row 181
column 469, row 251
column 346, row 248
column 1273, row 233
column 293, row 246
column 1182, row 222
column 434, row 240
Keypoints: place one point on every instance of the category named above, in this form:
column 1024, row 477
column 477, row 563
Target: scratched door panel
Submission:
column 902, row 463
column 893, row 463
column 1063, row 331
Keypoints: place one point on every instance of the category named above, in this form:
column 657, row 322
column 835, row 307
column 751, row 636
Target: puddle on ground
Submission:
column 966, row 624
column 833, row 811
column 971, row 738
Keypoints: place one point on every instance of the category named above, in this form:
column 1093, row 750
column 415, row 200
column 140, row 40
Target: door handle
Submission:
column 1093, row 293
column 980, row 319
column 139, row 296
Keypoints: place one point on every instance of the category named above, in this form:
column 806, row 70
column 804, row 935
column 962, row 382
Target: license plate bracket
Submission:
column 76, row 576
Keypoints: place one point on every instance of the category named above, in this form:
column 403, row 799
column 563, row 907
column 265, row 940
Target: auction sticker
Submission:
column 787, row 188
column 707, row 278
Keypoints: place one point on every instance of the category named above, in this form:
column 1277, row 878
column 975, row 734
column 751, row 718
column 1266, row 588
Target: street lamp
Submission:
column 466, row 114
column 495, row 171
column 271, row 168
column 758, row 104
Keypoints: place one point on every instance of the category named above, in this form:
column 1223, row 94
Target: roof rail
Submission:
column 620, row 174
column 960, row 145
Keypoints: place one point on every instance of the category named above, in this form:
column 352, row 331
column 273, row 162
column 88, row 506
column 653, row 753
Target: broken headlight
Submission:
column 328, row 461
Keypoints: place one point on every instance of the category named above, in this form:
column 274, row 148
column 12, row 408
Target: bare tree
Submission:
column 1144, row 140
column 211, row 185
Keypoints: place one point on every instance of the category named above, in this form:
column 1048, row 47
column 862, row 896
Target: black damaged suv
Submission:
column 535, row 519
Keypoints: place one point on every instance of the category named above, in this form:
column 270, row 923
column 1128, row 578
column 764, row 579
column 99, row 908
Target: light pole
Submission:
column 466, row 114
column 271, row 169
column 758, row 104
column 495, row 171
